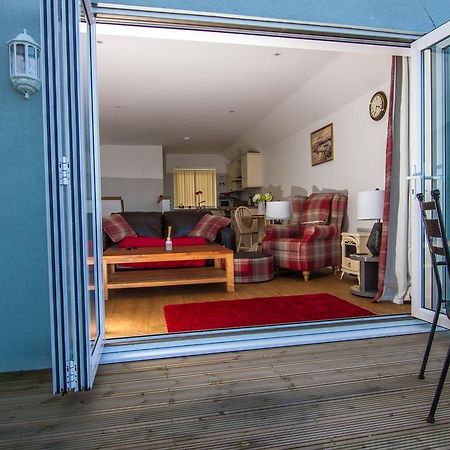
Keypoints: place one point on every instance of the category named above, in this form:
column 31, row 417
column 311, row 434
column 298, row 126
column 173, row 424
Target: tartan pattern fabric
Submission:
column 116, row 227
column 317, row 209
column 315, row 246
column 298, row 205
column 208, row 226
column 251, row 269
column 281, row 231
column 387, row 186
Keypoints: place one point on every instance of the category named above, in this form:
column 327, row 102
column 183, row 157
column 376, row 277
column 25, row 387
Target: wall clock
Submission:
column 378, row 105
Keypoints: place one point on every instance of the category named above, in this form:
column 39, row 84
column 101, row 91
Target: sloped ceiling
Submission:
column 203, row 97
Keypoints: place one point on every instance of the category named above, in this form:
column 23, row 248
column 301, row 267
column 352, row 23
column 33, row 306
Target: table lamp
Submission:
column 370, row 207
column 279, row 210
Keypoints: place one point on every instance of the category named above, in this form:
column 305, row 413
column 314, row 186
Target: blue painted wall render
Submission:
column 24, row 290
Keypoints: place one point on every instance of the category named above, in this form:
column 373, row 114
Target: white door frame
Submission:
column 420, row 136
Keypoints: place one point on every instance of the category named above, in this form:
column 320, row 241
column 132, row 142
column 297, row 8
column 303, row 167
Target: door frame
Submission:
column 419, row 133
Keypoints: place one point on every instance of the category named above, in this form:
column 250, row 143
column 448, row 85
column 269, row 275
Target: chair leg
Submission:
column 430, row 341
column 440, row 385
column 239, row 242
column 306, row 275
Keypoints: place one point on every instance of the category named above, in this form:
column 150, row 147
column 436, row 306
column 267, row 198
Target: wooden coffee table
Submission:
column 167, row 277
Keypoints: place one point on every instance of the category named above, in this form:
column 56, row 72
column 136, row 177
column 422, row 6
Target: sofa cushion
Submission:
column 208, row 226
column 145, row 223
column 116, row 227
column 182, row 221
column 138, row 241
column 317, row 209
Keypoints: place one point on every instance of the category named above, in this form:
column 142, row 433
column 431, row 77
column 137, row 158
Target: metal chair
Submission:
column 440, row 257
column 245, row 224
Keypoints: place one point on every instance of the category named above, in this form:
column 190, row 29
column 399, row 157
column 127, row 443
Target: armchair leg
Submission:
column 336, row 270
column 305, row 274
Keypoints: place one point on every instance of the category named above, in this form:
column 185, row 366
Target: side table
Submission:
column 368, row 275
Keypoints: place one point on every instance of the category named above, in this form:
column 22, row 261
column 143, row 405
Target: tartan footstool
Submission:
column 252, row 267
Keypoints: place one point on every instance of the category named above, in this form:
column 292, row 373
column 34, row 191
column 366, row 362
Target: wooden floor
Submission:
column 138, row 312
column 346, row 395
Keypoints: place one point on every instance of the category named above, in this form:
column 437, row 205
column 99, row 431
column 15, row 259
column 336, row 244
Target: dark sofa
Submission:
column 155, row 224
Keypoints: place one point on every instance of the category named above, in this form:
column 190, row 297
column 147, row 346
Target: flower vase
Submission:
column 261, row 208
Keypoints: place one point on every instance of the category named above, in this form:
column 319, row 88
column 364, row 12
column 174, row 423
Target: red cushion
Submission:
column 317, row 209
column 142, row 241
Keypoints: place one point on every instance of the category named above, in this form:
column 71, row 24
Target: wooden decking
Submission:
column 352, row 395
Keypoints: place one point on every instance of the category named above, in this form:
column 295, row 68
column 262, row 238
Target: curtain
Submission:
column 393, row 277
column 186, row 182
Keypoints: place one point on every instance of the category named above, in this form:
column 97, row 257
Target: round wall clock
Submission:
column 378, row 105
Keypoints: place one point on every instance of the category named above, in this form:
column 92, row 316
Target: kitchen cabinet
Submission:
column 245, row 172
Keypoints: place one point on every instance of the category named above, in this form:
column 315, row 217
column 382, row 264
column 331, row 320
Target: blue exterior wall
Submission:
column 24, row 290
column 408, row 15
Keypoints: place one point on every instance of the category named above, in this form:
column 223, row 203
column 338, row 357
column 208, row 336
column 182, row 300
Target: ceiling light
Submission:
column 187, row 138
column 276, row 54
column 231, row 111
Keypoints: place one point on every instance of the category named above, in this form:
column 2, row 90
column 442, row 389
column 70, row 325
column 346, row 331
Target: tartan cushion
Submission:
column 317, row 209
column 208, row 226
column 116, row 227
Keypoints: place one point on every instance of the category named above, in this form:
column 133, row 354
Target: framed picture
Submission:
column 322, row 145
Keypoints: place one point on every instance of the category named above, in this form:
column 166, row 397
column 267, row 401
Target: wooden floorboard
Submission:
column 348, row 395
column 140, row 312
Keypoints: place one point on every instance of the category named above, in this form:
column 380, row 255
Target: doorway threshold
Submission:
column 220, row 341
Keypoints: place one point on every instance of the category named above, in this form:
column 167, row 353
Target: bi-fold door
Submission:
column 71, row 137
column 430, row 158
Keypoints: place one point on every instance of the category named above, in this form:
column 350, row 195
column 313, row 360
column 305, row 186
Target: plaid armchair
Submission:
column 313, row 239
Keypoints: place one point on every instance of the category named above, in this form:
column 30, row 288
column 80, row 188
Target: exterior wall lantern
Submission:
column 24, row 64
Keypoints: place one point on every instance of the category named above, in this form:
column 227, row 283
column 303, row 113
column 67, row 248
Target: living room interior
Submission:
column 174, row 102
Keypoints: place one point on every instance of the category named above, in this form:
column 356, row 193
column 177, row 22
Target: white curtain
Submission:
column 397, row 275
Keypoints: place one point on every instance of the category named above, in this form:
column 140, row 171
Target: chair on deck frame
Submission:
column 440, row 257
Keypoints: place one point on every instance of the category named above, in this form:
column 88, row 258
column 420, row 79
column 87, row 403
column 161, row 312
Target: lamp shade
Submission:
column 278, row 210
column 371, row 205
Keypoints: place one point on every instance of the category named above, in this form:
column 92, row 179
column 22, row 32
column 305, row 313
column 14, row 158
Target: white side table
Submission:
column 352, row 243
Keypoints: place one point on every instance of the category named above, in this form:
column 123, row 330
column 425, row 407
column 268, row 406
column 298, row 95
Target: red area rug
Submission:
column 258, row 311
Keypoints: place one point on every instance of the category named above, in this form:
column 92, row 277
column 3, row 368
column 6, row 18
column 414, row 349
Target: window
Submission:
column 186, row 182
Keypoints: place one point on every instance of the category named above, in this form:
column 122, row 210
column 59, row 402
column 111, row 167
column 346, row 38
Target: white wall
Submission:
column 359, row 142
column 134, row 172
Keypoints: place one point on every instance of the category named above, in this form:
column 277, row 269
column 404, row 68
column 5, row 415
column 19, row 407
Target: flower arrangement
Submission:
column 267, row 197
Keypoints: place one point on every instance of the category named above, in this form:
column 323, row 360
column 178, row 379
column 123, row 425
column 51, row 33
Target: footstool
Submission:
column 252, row 267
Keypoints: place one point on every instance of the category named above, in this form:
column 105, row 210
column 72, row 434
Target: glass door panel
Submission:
column 432, row 98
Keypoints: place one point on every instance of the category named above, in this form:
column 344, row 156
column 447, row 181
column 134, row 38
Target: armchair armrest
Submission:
column 314, row 232
column 281, row 231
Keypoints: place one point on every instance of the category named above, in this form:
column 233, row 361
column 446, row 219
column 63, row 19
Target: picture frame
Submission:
column 322, row 145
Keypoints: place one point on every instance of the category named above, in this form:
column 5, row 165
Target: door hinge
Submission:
column 64, row 170
column 71, row 375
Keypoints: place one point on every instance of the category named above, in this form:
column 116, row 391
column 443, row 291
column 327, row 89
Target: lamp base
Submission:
column 374, row 241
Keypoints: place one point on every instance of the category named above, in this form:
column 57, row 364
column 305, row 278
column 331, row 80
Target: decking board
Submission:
column 352, row 395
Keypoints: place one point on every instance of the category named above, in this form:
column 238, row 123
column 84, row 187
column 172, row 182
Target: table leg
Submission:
column 229, row 268
column 105, row 280
column 217, row 263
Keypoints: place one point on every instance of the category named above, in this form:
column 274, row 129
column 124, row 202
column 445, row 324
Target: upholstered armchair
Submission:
column 313, row 239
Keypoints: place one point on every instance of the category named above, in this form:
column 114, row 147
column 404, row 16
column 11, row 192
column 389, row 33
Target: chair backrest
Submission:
column 433, row 223
column 244, row 221
column 338, row 206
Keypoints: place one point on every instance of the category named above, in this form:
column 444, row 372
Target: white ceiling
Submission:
column 158, row 91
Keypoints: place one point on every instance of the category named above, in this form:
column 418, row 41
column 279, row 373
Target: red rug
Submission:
column 258, row 311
